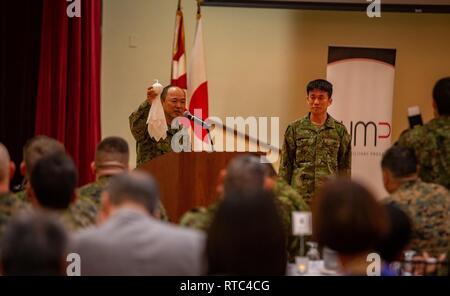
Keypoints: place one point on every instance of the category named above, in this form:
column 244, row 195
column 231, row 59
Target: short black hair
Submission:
column 54, row 180
column 320, row 84
column 400, row 161
column 246, row 236
column 112, row 149
column 137, row 187
column 398, row 235
column 441, row 95
column 34, row 243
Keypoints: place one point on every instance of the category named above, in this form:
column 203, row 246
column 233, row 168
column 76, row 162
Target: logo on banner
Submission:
column 367, row 132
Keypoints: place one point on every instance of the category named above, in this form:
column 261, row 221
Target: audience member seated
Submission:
column 34, row 244
column 431, row 141
column 53, row 188
column 246, row 236
column 248, row 173
column 348, row 219
column 287, row 200
column 131, row 240
column 34, row 149
column 427, row 204
column 37, row 148
column 243, row 173
column 112, row 157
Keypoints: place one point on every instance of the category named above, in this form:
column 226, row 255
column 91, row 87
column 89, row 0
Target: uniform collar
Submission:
column 329, row 123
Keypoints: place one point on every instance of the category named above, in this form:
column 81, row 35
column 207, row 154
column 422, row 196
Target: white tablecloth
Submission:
column 315, row 268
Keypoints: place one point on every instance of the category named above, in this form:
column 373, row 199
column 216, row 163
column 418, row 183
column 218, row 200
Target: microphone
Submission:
column 196, row 120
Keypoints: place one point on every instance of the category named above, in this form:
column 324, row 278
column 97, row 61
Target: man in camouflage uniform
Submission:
column 427, row 204
column 315, row 146
column 8, row 202
column 173, row 100
column 431, row 141
column 242, row 174
column 52, row 188
column 111, row 158
column 83, row 212
column 34, row 149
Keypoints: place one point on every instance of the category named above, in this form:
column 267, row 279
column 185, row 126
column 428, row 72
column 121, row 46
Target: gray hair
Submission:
column 136, row 187
column 245, row 173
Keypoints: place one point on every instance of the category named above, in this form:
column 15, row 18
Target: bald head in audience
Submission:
column 7, row 169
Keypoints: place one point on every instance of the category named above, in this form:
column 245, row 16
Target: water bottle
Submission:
column 313, row 255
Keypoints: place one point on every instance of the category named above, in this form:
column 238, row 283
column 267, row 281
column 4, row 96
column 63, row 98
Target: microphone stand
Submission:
column 210, row 139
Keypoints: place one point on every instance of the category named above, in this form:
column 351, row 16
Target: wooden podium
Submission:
column 188, row 179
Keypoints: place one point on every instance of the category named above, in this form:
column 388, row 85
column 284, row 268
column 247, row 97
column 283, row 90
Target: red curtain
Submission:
column 68, row 101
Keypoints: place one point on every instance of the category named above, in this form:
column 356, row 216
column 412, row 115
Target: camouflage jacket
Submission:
column 9, row 204
column 22, row 196
column 431, row 143
column 311, row 153
column 83, row 213
column 92, row 192
column 428, row 206
column 200, row 218
column 147, row 148
column 287, row 201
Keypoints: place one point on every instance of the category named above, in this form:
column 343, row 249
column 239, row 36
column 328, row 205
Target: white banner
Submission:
column 363, row 87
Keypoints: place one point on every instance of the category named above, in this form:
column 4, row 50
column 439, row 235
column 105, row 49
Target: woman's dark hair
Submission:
column 246, row 236
column 347, row 218
column 398, row 236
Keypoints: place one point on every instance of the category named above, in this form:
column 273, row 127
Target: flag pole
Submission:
column 179, row 5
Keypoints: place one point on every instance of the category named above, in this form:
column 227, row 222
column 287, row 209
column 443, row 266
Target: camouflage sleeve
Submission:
column 198, row 218
column 412, row 138
column 297, row 200
column 82, row 214
column 287, row 155
column 138, row 121
column 345, row 154
column 22, row 195
column 283, row 190
column 285, row 209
